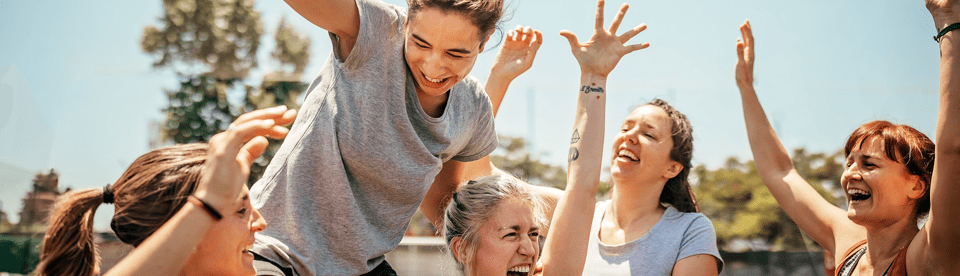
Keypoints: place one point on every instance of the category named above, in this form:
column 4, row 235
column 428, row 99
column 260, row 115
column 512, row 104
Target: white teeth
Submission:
column 433, row 80
column 628, row 154
column 854, row 191
column 521, row 269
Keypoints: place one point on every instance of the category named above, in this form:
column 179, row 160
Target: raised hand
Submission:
column 603, row 51
column 745, row 57
column 517, row 53
column 944, row 12
column 233, row 151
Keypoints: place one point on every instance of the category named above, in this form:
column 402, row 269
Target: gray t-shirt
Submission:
column 361, row 155
column 676, row 236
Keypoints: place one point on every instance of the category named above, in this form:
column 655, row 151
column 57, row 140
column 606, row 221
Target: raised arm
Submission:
column 231, row 153
column 569, row 234
column 942, row 229
column 340, row 17
column 514, row 58
column 802, row 203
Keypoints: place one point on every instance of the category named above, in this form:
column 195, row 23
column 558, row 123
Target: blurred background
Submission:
column 86, row 87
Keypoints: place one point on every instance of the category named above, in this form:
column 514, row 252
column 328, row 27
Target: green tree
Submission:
column 518, row 161
column 212, row 46
column 741, row 207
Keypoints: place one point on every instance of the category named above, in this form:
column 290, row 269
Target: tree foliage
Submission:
column 221, row 35
column 517, row 160
column 742, row 208
column 211, row 45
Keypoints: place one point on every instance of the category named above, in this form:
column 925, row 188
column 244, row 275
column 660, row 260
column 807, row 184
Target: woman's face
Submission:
column 641, row 151
column 509, row 242
column 440, row 48
column 225, row 248
column 878, row 189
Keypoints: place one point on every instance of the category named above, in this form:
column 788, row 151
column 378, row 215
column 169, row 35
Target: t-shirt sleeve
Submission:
column 700, row 238
column 484, row 137
column 379, row 28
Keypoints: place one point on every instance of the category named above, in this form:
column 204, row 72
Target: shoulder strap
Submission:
column 845, row 268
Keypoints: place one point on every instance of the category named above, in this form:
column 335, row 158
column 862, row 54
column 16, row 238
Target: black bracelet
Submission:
column 946, row 30
column 206, row 206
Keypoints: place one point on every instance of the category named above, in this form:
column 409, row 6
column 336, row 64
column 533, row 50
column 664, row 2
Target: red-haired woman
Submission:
column 891, row 179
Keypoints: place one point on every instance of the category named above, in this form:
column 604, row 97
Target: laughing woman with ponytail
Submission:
column 184, row 208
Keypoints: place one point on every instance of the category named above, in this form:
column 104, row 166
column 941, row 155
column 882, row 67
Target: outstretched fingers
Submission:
column 635, row 47
column 572, row 39
column 619, row 18
column 632, row 32
column 598, row 24
column 747, row 33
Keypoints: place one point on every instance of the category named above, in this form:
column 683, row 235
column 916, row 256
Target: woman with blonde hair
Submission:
column 493, row 225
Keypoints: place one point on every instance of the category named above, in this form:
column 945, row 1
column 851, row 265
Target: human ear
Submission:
column 673, row 170
column 455, row 249
column 484, row 42
column 918, row 188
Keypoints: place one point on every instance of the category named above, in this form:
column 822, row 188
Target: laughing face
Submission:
column 879, row 190
column 440, row 49
column 508, row 242
column 641, row 151
column 225, row 248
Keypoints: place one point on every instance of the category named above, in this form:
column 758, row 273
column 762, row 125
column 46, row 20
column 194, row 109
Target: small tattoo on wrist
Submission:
column 575, row 137
column 574, row 154
column 586, row 89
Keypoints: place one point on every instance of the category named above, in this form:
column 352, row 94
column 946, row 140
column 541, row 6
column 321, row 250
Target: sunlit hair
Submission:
column 475, row 203
column 902, row 144
column 484, row 14
column 677, row 191
column 148, row 194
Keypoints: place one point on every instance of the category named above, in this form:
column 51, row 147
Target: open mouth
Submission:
column 520, row 270
column 857, row 195
column 434, row 83
column 628, row 155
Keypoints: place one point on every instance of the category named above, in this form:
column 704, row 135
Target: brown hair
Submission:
column 148, row 194
column 906, row 146
column 677, row 191
column 485, row 14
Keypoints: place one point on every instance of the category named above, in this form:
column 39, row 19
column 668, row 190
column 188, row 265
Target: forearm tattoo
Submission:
column 574, row 153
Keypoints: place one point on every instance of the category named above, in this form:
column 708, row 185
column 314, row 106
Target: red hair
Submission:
column 906, row 146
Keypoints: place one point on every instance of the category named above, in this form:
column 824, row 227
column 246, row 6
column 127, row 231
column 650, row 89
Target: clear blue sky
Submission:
column 78, row 95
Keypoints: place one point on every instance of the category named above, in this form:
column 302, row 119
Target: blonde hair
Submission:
column 473, row 205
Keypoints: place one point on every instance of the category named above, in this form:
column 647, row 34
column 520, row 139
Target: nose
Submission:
column 851, row 173
column 528, row 247
column 433, row 65
column 258, row 222
column 631, row 136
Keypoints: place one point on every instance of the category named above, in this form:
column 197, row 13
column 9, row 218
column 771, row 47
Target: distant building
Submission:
column 38, row 203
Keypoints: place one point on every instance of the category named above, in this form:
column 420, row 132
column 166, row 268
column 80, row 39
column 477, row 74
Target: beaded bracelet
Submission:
column 206, row 206
column 946, row 30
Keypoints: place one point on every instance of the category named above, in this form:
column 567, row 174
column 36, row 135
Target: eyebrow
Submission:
column 517, row 228
column 455, row 50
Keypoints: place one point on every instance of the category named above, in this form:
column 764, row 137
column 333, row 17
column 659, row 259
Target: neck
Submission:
column 631, row 202
column 884, row 242
column 433, row 106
